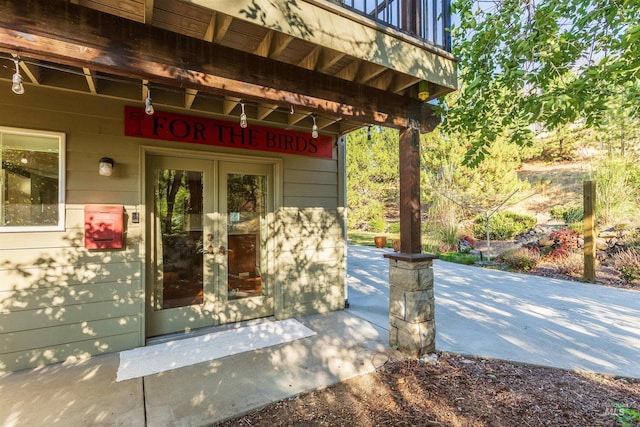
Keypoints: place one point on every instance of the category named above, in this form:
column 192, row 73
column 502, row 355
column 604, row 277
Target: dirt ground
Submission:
column 457, row 391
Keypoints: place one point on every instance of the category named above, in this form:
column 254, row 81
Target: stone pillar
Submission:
column 412, row 325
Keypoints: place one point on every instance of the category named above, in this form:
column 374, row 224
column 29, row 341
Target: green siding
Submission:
column 60, row 301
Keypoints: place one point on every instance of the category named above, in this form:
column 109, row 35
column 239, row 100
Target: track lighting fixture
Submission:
column 148, row 106
column 243, row 117
column 314, row 128
column 17, row 87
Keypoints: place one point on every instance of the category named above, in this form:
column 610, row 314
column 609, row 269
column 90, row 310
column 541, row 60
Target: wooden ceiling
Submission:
column 196, row 58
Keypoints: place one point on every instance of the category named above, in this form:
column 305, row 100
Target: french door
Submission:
column 207, row 245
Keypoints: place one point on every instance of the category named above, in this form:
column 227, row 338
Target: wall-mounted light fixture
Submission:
column 17, row 87
column 105, row 166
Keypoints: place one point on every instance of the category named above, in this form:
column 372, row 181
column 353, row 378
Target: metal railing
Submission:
column 426, row 19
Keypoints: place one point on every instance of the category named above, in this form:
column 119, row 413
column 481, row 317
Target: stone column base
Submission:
column 412, row 326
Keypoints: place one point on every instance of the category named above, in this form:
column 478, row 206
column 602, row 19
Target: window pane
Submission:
column 30, row 179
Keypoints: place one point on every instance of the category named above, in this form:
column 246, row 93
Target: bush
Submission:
column 376, row 225
column 393, row 227
column 566, row 239
column 568, row 263
column 570, row 214
column 522, row 259
column 627, row 263
column 503, row 226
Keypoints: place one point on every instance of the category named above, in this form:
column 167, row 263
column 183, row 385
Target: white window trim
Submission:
column 61, row 180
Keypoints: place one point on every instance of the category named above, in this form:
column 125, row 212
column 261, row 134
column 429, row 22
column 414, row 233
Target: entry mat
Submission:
column 179, row 353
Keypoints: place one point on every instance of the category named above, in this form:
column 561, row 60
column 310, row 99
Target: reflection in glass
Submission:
column 246, row 206
column 179, row 206
column 29, row 180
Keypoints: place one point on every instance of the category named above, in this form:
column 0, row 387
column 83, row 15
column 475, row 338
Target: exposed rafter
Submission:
column 189, row 97
column 64, row 33
column 148, row 11
column 91, row 81
column 264, row 110
column 222, row 24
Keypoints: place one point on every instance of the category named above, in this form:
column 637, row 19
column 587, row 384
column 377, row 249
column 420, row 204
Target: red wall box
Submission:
column 103, row 226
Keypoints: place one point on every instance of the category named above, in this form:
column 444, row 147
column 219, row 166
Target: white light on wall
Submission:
column 106, row 166
column 17, row 87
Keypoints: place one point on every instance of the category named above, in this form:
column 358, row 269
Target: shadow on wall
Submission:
column 60, row 301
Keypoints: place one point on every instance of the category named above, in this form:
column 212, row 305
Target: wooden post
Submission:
column 589, row 197
column 410, row 236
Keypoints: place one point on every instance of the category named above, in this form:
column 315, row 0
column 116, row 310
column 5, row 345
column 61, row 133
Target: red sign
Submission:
column 198, row 130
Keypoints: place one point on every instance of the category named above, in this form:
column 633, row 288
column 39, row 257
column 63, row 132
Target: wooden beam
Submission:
column 61, row 32
column 229, row 104
column 295, row 118
column 402, row 82
column 265, row 45
column 264, row 110
column 410, row 234
column 383, row 81
column 368, row 72
column 208, row 35
column 223, row 22
column 328, row 59
column 189, row 97
column 148, row 11
column 310, row 61
column 91, row 81
column 350, row 71
column 279, row 44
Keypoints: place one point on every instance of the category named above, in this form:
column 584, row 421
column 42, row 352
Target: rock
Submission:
column 608, row 233
column 546, row 241
column 601, row 244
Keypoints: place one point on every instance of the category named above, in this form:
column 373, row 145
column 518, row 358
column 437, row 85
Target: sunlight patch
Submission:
column 153, row 359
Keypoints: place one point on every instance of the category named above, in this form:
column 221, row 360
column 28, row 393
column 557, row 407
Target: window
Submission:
column 31, row 180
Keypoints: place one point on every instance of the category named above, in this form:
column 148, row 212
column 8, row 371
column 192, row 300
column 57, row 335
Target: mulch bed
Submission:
column 457, row 391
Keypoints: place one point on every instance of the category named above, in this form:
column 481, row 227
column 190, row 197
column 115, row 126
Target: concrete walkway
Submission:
column 479, row 312
column 515, row 317
column 87, row 394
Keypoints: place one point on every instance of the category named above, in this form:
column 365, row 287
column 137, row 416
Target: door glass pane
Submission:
column 246, row 206
column 179, row 209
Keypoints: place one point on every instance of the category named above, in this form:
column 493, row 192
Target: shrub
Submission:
column 570, row 264
column 376, row 225
column 616, row 190
column 393, row 227
column 566, row 239
column 522, row 259
column 627, row 263
column 578, row 227
column 573, row 214
column 569, row 214
column 502, row 226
